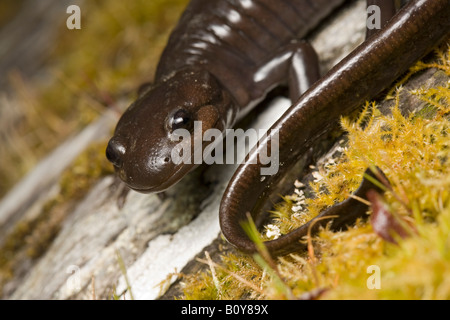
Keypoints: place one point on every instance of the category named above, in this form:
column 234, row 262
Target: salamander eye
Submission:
column 181, row 119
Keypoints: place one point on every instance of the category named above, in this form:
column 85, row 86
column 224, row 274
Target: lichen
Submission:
column 413, row 151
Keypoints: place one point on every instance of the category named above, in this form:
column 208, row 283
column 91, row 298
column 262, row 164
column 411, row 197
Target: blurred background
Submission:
column 54, row 81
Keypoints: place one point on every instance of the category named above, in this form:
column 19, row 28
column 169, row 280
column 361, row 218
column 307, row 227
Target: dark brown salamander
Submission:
column 371, row 67
column 224, row 57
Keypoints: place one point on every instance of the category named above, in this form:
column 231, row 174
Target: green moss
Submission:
column 230, row 280
column 414, row 152
column 85, row 170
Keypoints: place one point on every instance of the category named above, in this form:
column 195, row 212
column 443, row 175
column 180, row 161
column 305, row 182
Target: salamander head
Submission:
column 141, row 148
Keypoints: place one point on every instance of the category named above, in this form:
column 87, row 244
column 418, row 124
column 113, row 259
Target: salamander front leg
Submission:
column 297, row 63
column 304, row 70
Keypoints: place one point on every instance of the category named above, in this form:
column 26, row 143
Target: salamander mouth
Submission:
column 173, row 179
column 168, row 180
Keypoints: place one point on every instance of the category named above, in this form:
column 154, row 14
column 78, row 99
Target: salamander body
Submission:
column 224, row 56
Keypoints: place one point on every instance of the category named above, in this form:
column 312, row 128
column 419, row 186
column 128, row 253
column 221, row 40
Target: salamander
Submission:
column 222, row 59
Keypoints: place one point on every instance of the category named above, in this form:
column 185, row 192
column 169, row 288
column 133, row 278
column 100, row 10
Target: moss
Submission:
column 230, row 281
column 85, row 170
column 414, row 152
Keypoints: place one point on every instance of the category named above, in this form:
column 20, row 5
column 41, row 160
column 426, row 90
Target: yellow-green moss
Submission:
column 224, row 284
column 414, row 153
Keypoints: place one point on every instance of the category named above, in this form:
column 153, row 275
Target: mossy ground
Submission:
column 414, row 153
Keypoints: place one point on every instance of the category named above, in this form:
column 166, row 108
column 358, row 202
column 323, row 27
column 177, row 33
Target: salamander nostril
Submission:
column 114, row 153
